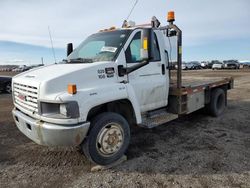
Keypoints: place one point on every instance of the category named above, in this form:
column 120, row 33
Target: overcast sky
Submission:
column 212, row 29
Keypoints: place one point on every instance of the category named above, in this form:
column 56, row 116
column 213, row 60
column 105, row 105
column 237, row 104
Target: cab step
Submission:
column 157, row 117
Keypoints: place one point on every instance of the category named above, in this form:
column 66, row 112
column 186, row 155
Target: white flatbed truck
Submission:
column 115, row 79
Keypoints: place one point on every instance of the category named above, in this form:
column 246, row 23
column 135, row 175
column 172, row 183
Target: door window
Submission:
column 133, row 54
column 156, row 50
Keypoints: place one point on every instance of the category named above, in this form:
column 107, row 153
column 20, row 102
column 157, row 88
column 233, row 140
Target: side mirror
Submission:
column 69, row 49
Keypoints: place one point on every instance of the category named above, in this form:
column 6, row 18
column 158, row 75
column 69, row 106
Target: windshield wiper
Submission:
column 80, row 60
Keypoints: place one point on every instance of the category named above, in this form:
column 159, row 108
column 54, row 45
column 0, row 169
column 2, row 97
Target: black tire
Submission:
column 100, row 126
column 8, row 88
column 217, row 103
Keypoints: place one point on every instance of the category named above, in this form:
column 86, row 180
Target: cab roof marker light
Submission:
column 112, row 28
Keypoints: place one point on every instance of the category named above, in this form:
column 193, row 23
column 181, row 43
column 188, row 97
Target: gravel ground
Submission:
column 194, row 151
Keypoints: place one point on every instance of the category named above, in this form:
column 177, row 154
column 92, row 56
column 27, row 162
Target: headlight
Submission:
column 63, row 109
column 70, row 109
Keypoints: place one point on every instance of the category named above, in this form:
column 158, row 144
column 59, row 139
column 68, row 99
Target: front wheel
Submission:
column 108, row 139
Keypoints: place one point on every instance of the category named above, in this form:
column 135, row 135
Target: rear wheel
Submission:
column 108, row 139
column 217, row 103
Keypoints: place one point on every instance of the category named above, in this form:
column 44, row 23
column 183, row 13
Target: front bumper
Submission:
column 49, row 134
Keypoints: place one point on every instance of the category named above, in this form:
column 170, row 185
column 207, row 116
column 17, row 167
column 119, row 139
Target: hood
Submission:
column 54, row 79
column 52, row 71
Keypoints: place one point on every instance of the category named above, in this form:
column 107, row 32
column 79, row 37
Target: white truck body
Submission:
column 111, row 95
column 146, row 89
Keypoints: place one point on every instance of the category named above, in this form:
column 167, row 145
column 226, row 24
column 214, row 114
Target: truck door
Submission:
column 149, row 82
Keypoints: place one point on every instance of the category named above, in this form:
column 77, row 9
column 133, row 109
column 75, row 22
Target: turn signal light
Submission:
column 72, row 89
column 171, row 16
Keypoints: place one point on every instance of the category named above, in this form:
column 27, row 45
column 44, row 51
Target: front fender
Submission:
column 89, row 98
column 132, row 98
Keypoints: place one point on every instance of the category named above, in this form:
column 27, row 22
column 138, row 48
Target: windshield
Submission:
column 103, row 46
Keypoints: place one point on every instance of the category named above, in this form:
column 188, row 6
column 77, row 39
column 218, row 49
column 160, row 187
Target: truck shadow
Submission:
column 194, row 144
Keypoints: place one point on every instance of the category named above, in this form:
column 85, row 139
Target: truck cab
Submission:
column 113, row 80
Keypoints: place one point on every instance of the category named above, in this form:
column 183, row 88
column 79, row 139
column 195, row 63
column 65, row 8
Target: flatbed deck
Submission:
column 194, row 93
column 190, row 86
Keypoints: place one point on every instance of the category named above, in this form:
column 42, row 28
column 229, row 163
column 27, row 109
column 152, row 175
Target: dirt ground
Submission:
column 194, row 151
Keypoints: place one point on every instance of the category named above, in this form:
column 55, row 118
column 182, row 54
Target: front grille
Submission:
column 26, row 96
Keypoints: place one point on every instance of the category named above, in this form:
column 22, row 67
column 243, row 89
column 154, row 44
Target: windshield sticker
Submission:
column 108, row 49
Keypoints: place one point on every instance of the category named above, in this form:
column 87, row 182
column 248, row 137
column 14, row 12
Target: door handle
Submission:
column 163, row 71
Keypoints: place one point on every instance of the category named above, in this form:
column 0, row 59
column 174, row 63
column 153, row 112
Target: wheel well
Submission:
column 122, row 107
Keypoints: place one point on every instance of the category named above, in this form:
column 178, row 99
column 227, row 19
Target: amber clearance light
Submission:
column 72, row 89
column 145, row 43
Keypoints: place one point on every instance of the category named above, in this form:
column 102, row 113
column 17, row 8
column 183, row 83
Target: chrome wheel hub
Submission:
column 110, row 139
